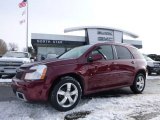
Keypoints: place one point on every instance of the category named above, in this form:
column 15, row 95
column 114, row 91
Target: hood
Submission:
column 55, row 62
column 15, row 59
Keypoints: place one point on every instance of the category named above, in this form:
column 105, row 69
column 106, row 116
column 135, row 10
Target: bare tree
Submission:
column 13, row 46
column 3, row 47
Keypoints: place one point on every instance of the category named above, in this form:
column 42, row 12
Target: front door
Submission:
column 101, row 72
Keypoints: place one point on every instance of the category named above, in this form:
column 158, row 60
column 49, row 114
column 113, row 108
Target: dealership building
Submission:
column 52, row 44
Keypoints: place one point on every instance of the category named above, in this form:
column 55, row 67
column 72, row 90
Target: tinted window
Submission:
column 106, row 51
column 123, row 53
column 136, row 53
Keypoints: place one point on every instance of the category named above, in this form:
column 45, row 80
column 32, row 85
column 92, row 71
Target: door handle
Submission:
column 114, row 63
column 96, row 67
column 132, row 62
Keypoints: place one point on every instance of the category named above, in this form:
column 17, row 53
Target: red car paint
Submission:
column 93, row 76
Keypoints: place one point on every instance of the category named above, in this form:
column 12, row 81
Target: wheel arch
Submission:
column 141, row 71
column 74, row 75
column 137, row 89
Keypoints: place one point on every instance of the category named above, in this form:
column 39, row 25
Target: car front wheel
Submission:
column 138, row 84
column 66, row 94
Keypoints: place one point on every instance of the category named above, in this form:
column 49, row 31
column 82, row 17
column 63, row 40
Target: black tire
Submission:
column 138, row 84
column 149, row 71
column 0, row 76
column 66, row 94
column 158, row 73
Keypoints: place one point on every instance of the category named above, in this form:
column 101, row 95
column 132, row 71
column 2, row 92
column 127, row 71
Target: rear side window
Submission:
column 123, row 52
column 136, row 53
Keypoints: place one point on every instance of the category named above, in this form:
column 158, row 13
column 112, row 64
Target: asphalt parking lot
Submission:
column 6, row 93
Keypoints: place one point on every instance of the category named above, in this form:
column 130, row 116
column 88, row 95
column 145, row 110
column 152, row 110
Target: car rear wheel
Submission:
column 0, row 76
column 66, row 94
column 138, row 84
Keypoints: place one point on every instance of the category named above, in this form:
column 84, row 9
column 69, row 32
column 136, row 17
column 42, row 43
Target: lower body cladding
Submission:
column 30, row 91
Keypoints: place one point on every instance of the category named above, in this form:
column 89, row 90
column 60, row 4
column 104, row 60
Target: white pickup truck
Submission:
column 11, row 61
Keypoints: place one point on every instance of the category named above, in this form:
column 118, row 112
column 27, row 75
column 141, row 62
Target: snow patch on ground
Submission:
column 154, row 77
column 127, row 107
column 123, row 108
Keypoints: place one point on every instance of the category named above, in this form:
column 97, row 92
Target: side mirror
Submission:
column 95, row 57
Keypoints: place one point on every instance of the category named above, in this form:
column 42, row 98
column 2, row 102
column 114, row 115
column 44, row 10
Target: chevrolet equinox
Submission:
column 81, row 71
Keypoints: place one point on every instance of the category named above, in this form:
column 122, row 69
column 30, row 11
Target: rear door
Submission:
column 124, row 65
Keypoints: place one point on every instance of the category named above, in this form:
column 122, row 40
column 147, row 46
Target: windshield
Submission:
column 147, row 58
column 75, row 52
column 16, row 55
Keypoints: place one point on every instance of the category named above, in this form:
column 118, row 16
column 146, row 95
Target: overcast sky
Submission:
column 141, row 17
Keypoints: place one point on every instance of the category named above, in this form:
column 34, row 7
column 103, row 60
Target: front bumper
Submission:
column 154, row 69
column 8, row 70
column 30, row 91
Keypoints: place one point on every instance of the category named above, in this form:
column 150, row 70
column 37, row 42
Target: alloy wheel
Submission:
column 67, row 95
column 140, row 83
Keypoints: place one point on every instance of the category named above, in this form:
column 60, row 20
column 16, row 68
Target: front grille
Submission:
column 10, row 63
column 156, row 64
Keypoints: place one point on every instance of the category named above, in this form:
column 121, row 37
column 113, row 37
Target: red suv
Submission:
column 81, row 71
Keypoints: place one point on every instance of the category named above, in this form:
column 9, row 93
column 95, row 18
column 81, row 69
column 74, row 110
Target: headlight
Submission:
column 36, row 72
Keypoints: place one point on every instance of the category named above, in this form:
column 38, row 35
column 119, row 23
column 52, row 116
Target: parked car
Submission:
column 152, row 65
column 11, row 61
column 81, row 71
column 154, row 57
